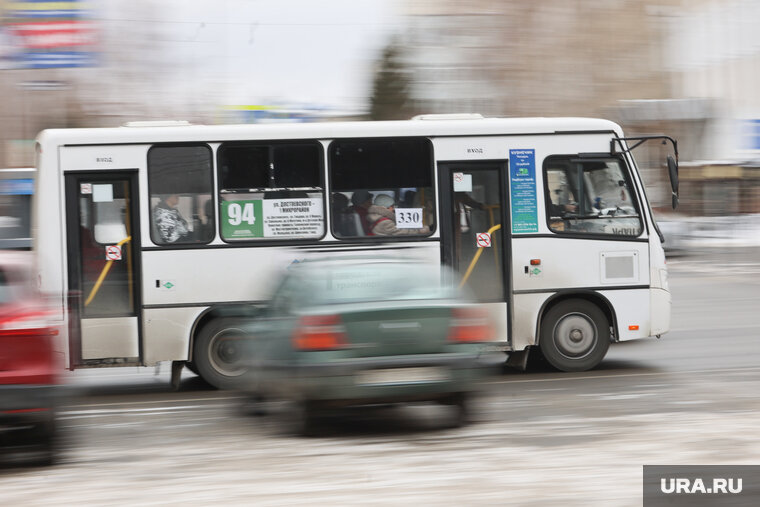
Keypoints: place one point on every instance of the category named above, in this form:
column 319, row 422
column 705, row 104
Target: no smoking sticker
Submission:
column 483, row 240
column 113, row 253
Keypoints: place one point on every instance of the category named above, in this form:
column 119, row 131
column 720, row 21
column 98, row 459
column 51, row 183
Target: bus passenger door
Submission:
column 103, row 267
column 473, row 232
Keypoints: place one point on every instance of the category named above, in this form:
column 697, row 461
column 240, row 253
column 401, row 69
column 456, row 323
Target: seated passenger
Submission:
column 169, row 223
column 344, row 219
column 362, row 200
column 382, row 219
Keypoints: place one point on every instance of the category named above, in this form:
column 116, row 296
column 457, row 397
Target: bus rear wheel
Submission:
column 217, row 353
column 575, row 335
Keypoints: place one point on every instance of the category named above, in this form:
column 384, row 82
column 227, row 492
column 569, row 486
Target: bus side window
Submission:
column 271, row 190
column 400, row 168
column 180, row 182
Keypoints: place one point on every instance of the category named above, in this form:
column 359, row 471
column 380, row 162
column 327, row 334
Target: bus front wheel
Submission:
column 575, row 335
column 217, row 353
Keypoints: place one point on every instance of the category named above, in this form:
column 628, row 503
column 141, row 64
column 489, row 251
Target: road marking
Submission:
column 153, row 411
column 164, row 401
column 625, row 375
column 617, row 396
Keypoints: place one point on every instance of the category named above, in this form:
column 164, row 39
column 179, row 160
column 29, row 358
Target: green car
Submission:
column 366, row 331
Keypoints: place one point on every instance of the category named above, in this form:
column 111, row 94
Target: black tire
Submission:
column 461, row 406
column 217, row 353
column 575, row 335
column 304, row 418
column 253, row 405
column 49, row 443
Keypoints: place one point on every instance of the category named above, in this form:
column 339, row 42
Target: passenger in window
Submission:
column 362, row 201
column 382, row 219
column 169, row 223
column 345, row 221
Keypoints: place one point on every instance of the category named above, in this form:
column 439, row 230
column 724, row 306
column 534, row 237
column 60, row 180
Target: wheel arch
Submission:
column 212, row 313
column 591, row 296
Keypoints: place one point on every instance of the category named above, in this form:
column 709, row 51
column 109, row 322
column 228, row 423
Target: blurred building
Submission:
column 667, row 66
column 39, row 42
column 548, row 58
column 713, row 55
column 684, row 68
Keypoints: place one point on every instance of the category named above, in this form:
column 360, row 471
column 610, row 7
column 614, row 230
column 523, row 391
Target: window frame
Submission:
column 580, row 159
column 432, row 178
column 271, row 143
column 212, row 190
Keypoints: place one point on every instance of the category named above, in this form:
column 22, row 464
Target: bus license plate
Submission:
column 403, row 375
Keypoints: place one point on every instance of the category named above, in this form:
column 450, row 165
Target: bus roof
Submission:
column 428, row 125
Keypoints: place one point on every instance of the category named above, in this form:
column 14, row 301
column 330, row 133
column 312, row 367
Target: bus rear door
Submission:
column 103, row 267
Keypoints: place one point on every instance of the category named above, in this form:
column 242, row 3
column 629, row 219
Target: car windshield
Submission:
column 375, row 282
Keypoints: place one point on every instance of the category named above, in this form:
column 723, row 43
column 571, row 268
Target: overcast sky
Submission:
column 263, row 51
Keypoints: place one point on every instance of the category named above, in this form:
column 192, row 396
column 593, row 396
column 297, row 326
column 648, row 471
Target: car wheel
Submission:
column 460, row 402
column 575, row 335
column 303, row 418
column 49, row 444
column 253, row 404
column 217, row 353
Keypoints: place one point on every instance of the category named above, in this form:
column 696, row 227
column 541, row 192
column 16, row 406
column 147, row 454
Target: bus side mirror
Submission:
column 673, row 172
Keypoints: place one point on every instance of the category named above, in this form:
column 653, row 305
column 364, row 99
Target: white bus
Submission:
column 155, row 239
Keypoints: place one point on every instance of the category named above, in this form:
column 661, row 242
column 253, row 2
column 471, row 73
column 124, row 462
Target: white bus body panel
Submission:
column 660, row 308
column 632, row 310
column 245, row 274
column 111, row 337
column 202, row 278
column 568, row 263
column 103, row 158
column 169, row 330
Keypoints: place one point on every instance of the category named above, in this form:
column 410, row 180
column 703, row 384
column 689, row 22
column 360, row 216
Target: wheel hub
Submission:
column 225, row 354
column 575, row 335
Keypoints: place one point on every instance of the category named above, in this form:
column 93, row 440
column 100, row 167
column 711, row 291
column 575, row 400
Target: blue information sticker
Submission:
column 522, row 184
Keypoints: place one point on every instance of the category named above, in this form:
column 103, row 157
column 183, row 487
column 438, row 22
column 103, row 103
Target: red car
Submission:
column 30, row 367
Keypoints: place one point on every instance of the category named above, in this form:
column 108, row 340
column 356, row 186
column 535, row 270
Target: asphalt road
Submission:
column 539, row 438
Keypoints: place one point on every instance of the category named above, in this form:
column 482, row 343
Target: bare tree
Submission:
column 390, row 91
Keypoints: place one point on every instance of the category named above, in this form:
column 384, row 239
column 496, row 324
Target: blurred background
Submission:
column 683, row 68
